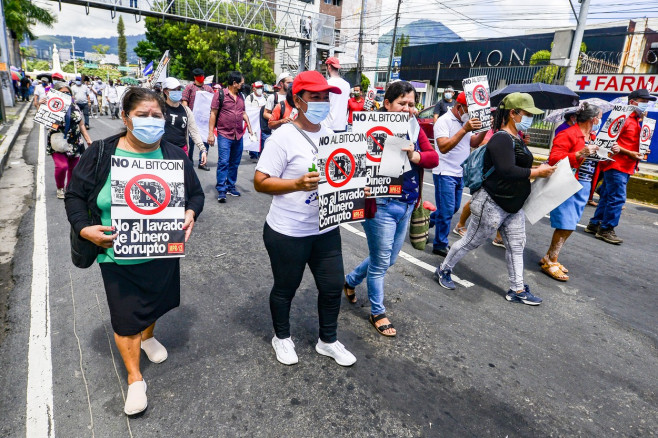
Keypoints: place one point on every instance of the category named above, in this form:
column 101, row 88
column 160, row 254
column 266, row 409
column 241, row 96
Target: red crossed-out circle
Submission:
column 646, row 133
column 135, row 181
column 385, row 130
column 619, row 120
column 330, row 159
column 484, row 102
column 56, row 104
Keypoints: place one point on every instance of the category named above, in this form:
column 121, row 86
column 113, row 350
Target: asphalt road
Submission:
column 465, row 362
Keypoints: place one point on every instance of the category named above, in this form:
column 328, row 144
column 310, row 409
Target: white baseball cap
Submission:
column 282, row 76
column 258, row 84
column 170, row 83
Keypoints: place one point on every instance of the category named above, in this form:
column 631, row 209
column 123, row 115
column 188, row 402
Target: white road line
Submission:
column 40, row 420
column 410, row 258
column 547, row 216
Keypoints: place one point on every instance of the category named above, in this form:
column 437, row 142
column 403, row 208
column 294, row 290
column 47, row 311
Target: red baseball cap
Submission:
column 312, row 81
column 58, row 76
column 462, row 98
column 332, row 60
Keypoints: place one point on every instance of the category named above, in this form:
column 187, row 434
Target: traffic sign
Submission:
column 342, row 176
column 160, row 199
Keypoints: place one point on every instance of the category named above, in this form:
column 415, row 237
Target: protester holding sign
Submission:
column 139, row 291
column 65, row 142
column 498, row 205
column 388, row 219
column 287, row 169
column 575, row 143
column 617, row 173
column 454, row 139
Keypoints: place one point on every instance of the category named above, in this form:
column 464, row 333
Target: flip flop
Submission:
column 553, row 270
column 373, row 319
column 350, row 293
column 460, row 231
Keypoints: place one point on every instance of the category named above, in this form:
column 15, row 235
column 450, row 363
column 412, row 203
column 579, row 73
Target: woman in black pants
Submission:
column 138, row 291
column 287, row 170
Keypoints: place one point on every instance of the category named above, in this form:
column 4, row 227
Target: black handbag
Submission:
column 84, row 252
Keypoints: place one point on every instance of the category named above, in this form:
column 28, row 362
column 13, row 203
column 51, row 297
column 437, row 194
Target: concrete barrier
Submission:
column 10, row 136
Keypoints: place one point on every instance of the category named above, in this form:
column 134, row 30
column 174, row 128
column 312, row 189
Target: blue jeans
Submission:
column 230, row 154
column 448, row 195
column 385, row 233
column 613, row 197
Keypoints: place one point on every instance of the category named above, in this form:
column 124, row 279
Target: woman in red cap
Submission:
column 287, row 170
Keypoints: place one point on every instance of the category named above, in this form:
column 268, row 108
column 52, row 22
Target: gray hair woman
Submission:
column 64, row 142
column 577, row 144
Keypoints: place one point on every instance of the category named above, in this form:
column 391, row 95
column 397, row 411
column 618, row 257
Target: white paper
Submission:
column 249, row 143
column 392, row 162
column 548, row 193
column 201, row 111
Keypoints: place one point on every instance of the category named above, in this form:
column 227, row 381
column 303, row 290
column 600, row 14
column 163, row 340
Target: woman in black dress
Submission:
column 138, row 291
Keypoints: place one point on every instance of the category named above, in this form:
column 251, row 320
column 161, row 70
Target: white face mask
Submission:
column 258, row 91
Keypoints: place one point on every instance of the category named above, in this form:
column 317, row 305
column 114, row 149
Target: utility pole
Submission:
column 395, row 33
column 75, row 66
column 359, row 61
column 575, row 44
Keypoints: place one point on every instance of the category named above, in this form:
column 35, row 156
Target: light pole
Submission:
column 395, row 32
column 75, row 66
column 575, row 44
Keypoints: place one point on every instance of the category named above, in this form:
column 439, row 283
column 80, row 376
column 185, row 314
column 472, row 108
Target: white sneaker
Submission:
column 337, row 351
column 136, row 401
column 60, row 193
column 285, row 350
column 155, row 351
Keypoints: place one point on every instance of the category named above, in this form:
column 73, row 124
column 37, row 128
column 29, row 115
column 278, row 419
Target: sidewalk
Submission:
column 9, row 131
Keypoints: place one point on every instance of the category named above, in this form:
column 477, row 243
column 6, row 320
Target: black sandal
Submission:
column 350, row 293
column 373, row 319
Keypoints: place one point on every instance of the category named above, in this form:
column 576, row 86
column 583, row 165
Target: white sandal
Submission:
column 136, row 401
column 155, row 351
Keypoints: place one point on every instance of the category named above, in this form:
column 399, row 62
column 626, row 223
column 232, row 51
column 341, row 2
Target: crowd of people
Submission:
column 161, row 123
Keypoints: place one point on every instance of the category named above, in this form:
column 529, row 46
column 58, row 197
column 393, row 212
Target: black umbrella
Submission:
column 546, row 97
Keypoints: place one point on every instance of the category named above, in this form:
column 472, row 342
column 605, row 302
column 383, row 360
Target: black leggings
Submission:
column 288, row 257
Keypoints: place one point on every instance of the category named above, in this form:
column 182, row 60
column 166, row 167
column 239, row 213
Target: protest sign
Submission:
column 201, row 111
column 477, row 98
column 148, row 208
column 378, row 126
column 342, row 167
column 253, row 112
column 648, row 125
column 369, row 99
column 160, row 73
column 548, row 193
column 52, row 113
column 607, row 136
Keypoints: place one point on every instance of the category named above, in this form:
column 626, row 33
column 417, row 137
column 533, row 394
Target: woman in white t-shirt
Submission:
column 287, row 170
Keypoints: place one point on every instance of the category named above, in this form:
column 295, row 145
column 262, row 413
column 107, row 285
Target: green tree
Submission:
column 147, row 51
column 365, row 83
column 22, row 15
column 217, row 51
column 101, row 49
column 38, row 65
column 401, row 43
column 121, row 30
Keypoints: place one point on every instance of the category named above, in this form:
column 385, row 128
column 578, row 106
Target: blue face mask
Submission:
column 78, row 83
column 642, row 106
column 524, row 124
column 148, row 130
column 175, row 95
column 316, row 112
column 596, row 127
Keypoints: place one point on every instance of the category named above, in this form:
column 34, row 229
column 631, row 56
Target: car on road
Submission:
column 426, row 122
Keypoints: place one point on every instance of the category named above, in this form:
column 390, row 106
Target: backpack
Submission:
column 473, row 166
column 221, row 100
column 263, row 121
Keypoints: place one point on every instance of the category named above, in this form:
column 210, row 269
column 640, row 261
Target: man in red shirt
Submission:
column 355, row 103
column 229, row 116
column 617, row 173
column 189, row 93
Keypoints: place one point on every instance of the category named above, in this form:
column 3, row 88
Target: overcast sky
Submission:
column 468, row 18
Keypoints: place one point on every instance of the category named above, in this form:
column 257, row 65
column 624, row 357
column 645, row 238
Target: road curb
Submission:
column 10, row 137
